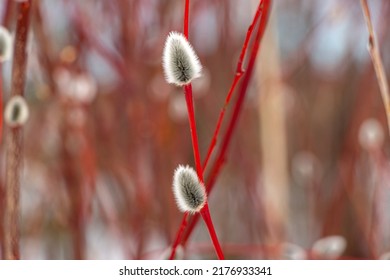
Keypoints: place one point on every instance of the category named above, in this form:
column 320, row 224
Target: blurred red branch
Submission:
column 377, row 61
column 46, row 53
column 79, row 19
column 4, row 20
column 14, row 138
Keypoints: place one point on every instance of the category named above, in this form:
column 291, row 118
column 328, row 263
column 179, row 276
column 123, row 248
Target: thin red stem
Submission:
column 178, row 237
column 186, row 18
column 239, row 72
column 14, row 138
column 205, row 212
column 191, row 117
column 242, row 93
column 194, row 136
column 4, row 21
column 265, row 6
column 262, row 11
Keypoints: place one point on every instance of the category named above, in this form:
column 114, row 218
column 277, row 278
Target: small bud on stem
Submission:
column 16, row 112
column 189, row 192
column 5, row 44
column 181, row 64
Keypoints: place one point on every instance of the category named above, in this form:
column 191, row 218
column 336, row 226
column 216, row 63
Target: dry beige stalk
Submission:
column 273, row 137
column 377, row 61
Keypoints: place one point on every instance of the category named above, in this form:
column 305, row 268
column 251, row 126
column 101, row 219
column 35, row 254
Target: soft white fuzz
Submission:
column 5, row 44
column 330, row 247
column 16, row 112
column 289, row 251
column 190, row 193
column 180, row 62
column 371, row 134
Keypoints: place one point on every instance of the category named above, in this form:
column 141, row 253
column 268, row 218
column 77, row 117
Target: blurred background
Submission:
column 309, row 158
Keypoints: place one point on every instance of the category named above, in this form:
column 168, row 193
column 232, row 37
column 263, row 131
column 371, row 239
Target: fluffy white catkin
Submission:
column 330, row 247
column 190, row 193
column 16, row 112
column 5, row 44
column 180, row 62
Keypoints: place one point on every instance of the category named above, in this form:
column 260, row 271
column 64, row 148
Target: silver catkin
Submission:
column 180, row 62
column 16, row 112
column 5, row 44
column 189, row 192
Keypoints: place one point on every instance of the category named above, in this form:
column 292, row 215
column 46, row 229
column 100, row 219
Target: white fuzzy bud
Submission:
column 371, row 135
column 190, row 193
column 16, row 112
column 180, row 62
column 289, row 251
column 331, row 247
column 305, row 166
column 5, row 44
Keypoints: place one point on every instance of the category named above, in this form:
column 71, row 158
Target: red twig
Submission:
column 4, row 20
column 14, row 138
column 264, row 6
column 191, row 117
column 45, row 54
column 194, row 136
column 239, row 72
column 1, row 104
column 80, row 22
column 1, row 181
column 186, row 18
column 205, row 212
column 262, row 13
column 5, row 15
column 179, row 234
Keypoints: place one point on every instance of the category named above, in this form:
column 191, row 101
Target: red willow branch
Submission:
column 194, row 135
column 262, row 16
column 205, row 212
column 373, row 49
column 1, row 181
column 239, row 72
column 83, row 28
column 194, row 138
column 186, row 18
column 264, row 8
column 14, row 138
column 179, row 235
column 45, row 49
column 4, row 20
